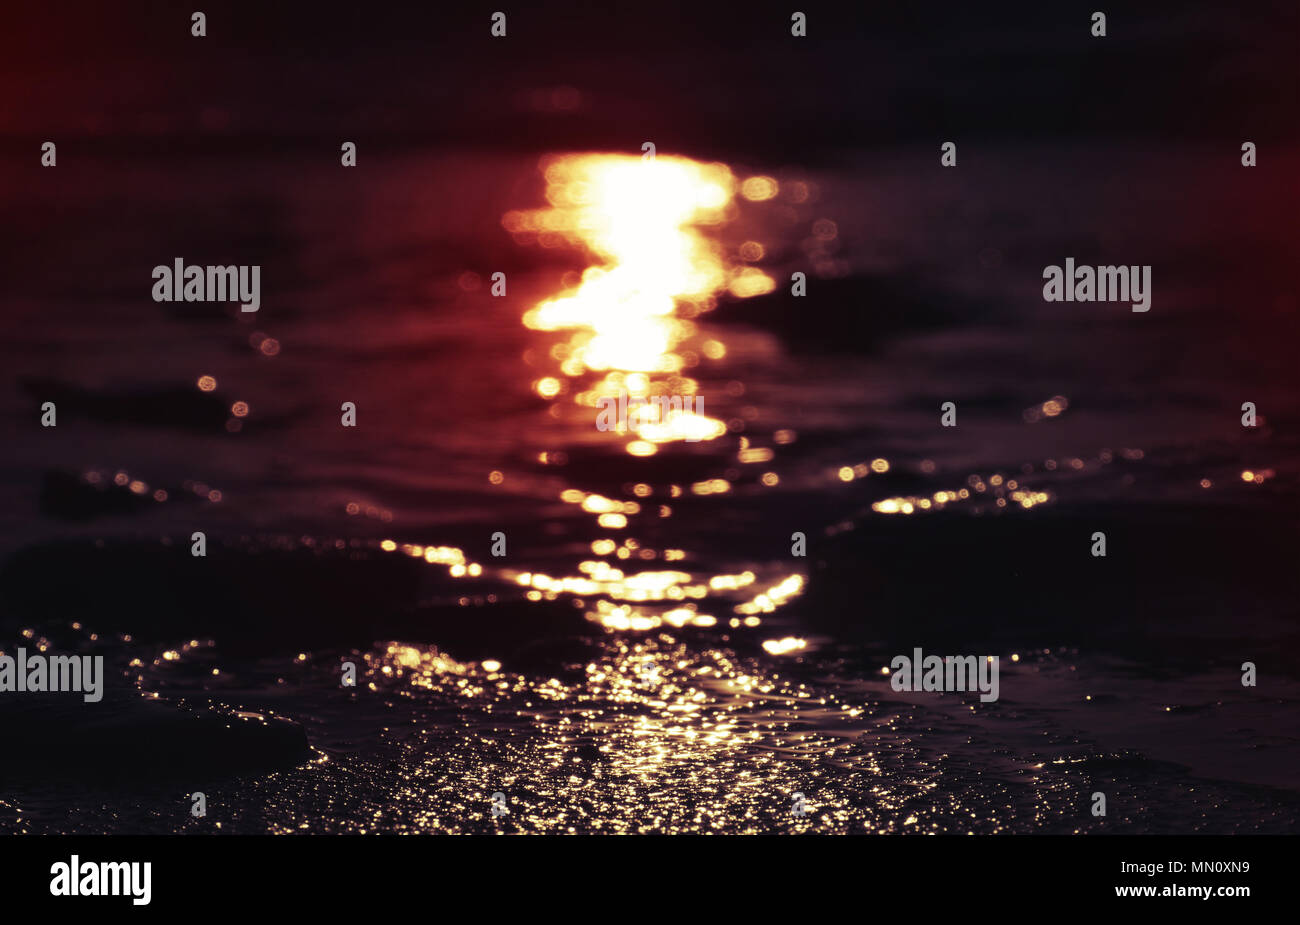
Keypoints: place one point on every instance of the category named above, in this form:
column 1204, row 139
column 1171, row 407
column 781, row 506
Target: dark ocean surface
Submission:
column 649, row 702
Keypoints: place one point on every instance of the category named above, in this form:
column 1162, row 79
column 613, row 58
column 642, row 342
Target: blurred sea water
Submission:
column 681, row 671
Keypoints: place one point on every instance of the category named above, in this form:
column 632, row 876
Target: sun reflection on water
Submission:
column 647, row 223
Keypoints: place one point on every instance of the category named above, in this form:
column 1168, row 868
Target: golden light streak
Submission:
column 645, row 223
column 784, row 646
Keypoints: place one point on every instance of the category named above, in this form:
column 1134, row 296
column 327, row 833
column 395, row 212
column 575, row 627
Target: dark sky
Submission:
column 709, row 76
